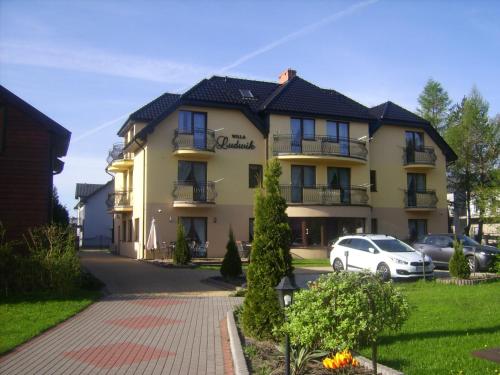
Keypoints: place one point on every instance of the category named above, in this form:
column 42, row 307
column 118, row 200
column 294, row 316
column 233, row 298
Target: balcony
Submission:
column 424, row 200
column 348, row 151
column 423, row 158
column 192, row 194
column 199, row 145
column 120, row 201
column 118, row 161
column 324, row 195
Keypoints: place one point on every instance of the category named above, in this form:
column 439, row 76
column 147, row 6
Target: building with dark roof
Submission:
column 94, row 223
column 31, row 148
column 196, row 159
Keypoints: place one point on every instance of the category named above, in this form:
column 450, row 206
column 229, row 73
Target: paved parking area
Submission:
column 174, row 330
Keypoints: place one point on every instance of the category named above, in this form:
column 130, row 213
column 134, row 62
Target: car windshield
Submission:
column 467, row 241
column 393, row 246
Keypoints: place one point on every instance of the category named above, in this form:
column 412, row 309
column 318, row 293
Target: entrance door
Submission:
column 416, row 184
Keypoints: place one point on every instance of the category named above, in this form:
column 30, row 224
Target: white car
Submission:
column 382, row 254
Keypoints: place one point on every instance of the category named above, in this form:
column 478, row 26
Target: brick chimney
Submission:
column 287, row 75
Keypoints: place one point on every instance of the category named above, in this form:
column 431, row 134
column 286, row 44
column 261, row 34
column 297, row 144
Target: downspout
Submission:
column 143, row 196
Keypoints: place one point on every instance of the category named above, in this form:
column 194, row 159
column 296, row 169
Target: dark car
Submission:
column 440, row 248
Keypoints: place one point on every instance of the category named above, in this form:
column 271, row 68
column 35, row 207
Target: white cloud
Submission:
column 97, row 61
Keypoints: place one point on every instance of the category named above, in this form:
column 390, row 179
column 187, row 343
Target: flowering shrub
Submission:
column 340, row 360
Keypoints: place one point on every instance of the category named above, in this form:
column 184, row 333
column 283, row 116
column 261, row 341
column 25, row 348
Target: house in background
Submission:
column 94, row 223
column 31, row 145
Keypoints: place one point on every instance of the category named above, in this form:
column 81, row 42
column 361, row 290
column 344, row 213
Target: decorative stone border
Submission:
column 240, row 364
column 483, row 279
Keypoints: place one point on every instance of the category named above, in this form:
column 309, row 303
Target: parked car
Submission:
column 440, row 248
column 386, row 255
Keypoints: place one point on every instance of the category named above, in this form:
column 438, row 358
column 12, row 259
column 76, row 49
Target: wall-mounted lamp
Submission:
column 159, row 210
column 170, row 219
column 215, row 219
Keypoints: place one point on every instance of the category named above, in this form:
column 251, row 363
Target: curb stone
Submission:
column 381, row 369
column 240, row 365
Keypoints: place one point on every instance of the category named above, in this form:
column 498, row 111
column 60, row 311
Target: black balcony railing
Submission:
column 120, row 199
column 324, row 195
column 424, row 156
column 198, row 140
column 194, row 192
column 319, row 146
column 420, row 199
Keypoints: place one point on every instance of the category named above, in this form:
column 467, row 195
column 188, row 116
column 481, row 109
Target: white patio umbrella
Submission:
column 152, row 242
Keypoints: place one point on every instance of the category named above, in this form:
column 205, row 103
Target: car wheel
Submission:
column 338, row 265
column 384, row 272
column 473, row 264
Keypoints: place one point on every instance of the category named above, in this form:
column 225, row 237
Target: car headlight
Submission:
column 398, row 261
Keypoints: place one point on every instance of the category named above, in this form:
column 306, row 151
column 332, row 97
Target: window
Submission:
column 251, row 222
column 338, row 132
column 301, row 128
column 302, row 177
column 124, row 231
column 129, row 231
column 340, row 179
column 3, row 126
column 359, row 244
column 194, row 123
column 192, row 180
column 136, row 229
column 414, row 142
column 417, row 228
column 374, row 226
column 254, row 175
column 416, row 183
column 246, row 93
column 195, row 229
column 373, row 180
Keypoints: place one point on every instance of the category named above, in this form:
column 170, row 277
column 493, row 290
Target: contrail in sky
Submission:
column 285, row 39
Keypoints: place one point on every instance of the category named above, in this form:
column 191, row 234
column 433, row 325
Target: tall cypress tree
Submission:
column 270, row 258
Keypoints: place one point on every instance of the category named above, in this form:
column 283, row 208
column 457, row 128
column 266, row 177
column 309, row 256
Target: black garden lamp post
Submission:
column 285, row 290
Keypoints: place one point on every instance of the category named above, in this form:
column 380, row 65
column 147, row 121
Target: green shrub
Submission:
column 270, row 258
column 231, row 265
column 181, row 252
column 459, row 267
column 49, row 261
column 344, row 311
column 495, row 266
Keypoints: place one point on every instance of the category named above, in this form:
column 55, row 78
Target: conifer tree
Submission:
column 181, row 252
column 231, row 265
column 459, row 267
column 270, row 258
column 434, row 104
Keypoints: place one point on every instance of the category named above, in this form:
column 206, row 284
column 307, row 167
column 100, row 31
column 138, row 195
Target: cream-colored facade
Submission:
column 346, row 185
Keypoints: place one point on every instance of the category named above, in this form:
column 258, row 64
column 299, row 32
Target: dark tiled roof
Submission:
column 63, row 135
column 300, row 96
column 154, row 108
column 85, row 190
column 227, row 90
column 390, row 111
column 392, row 114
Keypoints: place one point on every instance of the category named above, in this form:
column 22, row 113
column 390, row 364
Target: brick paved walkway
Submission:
column 132, row 334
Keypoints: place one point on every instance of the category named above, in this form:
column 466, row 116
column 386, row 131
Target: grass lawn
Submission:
column 295, row 262
column 446, row 324
column 25, row 316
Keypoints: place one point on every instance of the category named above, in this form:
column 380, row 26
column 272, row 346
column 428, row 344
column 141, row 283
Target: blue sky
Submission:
column 88, row 64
